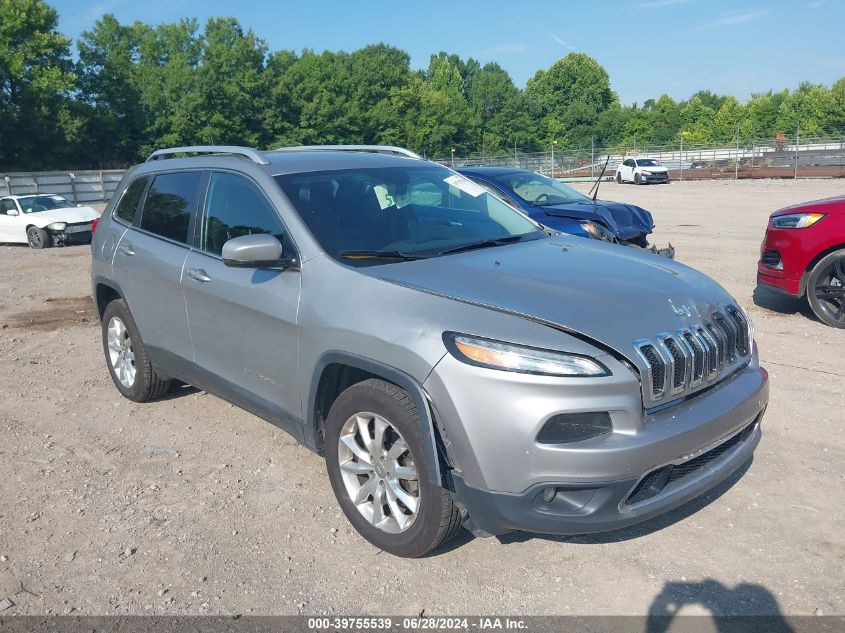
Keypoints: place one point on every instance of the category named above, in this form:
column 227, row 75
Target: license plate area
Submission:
column 78, row 229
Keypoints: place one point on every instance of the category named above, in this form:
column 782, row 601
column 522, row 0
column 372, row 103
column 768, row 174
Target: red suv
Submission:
column 804, row 253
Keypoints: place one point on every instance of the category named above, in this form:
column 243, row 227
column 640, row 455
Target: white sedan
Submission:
column 641, row 171
column 44, row 220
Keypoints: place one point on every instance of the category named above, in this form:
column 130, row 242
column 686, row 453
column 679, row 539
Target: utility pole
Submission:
column 453, row 158
column 681, row 156
column 553, row 158
column 797, row 141
column 736, row 162
column 592, row 156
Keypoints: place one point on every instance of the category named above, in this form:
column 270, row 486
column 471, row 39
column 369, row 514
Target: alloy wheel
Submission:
column 830, row 291
column 378, row 472
column 34, row 239
column 121, row 354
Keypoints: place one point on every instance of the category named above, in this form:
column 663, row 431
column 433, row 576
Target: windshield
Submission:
column 34, row 204
column 541, row 191
column 647, row 162
column 370, row 215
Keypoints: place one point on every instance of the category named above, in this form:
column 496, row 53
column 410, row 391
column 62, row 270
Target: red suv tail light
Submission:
column 94, row 225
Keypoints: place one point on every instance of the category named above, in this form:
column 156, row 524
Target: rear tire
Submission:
column 618, row 179
column 126, row 357
column 37, row 238
column 826, row 289
column 380, row 471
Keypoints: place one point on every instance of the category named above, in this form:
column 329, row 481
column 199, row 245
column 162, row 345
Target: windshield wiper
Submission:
column 501, row 241
column 398, row 255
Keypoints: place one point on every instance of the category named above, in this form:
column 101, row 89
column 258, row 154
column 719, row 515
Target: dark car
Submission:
column 562, row 208
column 804, row 253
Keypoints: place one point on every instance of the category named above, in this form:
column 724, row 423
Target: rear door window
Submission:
column 170, row 202
column 125, row 209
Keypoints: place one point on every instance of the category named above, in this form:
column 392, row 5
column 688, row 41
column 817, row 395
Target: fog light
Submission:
column 575, row 427
column 549, row 495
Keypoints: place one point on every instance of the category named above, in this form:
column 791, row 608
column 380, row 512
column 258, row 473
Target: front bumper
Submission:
column 504, row 477
column 80, row 233
column 656, row 178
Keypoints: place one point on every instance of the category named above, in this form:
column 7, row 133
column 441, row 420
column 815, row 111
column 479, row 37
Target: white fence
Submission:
column 80, row 186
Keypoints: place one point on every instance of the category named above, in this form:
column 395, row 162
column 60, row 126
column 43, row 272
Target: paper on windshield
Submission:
column 465, row 185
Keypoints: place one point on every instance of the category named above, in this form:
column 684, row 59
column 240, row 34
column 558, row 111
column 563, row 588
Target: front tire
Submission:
column 37, row 238
column 826, row 289
column 126, row 357
column 637, row 180
column 380, row 471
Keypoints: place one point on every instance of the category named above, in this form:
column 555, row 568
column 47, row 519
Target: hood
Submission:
column 825, row 205
column 624, row 220
column 610, row 293
column 654, row 170
column 69, row 215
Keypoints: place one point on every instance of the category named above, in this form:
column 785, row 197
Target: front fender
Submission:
column 388, row 373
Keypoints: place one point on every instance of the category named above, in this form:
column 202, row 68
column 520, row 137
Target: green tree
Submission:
column 665, row 119
column 810, row 106
column 108, row 85
column 228, row 84
column 38, row 121
column 571, row 94
column 696, row 121
column 836, row 123
column 731, row 117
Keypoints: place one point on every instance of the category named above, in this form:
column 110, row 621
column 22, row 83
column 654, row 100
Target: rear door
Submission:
column 148, row 265
column 243, row 320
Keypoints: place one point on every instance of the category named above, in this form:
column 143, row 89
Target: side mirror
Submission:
column 256, row 251
column 12, row 212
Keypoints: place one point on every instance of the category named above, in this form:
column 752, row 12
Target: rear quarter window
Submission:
column 128, row 204
column 169, row 204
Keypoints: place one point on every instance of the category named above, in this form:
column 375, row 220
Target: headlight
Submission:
column 596, row 231
column 517, row 358
column 57, row 226
column 645, row 172
column 796, row 220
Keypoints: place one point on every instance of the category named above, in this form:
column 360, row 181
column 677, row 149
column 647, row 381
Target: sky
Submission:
column 648, row 47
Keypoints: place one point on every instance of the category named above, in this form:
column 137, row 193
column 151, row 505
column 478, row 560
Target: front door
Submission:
column 243, row 320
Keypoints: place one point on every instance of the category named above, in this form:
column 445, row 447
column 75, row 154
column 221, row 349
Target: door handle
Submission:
column 126, row 250
column 199, row 274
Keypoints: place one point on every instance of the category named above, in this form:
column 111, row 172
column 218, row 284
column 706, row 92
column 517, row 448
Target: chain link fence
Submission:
column 747, row 158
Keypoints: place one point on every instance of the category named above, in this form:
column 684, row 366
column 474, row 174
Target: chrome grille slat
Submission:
column 690, row 358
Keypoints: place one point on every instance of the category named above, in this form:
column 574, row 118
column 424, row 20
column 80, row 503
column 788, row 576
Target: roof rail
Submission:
column 234, row 150
column 379, row 149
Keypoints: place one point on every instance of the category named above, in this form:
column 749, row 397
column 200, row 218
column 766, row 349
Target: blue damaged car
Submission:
column 562, row 208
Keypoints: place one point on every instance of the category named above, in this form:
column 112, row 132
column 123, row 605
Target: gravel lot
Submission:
column 190, row 505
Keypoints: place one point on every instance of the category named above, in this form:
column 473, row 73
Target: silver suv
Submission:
column 455, row 364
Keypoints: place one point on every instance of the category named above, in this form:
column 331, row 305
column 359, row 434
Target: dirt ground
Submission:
column 190, row 505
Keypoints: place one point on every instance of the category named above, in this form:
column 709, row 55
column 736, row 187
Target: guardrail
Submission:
column 79, row 186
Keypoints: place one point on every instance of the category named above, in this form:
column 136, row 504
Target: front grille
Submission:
column 771, row 258
column 679, row 362
column 741, row 329
column 658, row 368
column 667, row 477
column 679, row 375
